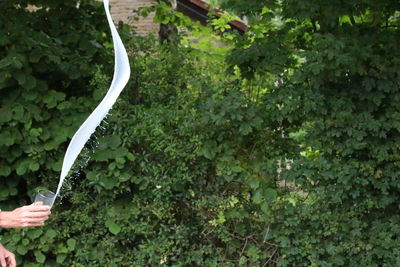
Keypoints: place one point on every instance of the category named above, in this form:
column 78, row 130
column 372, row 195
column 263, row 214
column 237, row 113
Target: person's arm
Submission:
column 7, row 259
column 26, row 216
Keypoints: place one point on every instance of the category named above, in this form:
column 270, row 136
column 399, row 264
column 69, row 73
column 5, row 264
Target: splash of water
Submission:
column 120, row 79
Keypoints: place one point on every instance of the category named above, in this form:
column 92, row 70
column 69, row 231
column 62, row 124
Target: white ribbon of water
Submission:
column 121, row 76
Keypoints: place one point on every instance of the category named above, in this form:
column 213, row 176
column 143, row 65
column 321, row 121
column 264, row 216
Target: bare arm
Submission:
column 6, row 258
column 26, row 216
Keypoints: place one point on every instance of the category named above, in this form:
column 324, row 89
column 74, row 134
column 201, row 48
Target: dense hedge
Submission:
column 46, row 64
column 338, row 91
column 185, row 172
column 170, row 180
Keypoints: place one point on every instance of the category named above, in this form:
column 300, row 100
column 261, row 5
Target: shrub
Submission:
column 336, row 95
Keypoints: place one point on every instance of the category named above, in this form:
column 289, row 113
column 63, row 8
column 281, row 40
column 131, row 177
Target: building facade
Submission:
column 198, row 10
column 122, row 10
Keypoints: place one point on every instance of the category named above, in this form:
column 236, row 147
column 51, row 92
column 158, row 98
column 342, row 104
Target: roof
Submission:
column 199, row 10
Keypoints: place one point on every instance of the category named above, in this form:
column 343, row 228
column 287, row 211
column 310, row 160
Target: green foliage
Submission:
column 171, row 177
column 289, row 159
column 173, row 180
column 46, row 64
column 193, row 33
column 45, row 68
column 337, row 95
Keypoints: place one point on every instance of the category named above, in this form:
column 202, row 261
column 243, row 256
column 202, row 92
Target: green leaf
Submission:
column 49, row 235
column 34, row 166
column 3, row 39
column 102, row 155
column 18, row 112
column 71, row 244
column 208, row 153
column 108, row 183
column 52, row 98
column 124, row 177
column 113, row 227
column 21, row 249
column 33, row 234
column 5, row 114
column 5, row 62
column 17, row 63
column 4, row 193
column 6, row 138
column 245, row 129
column 270, row 194
column 35, row 55
column 237, row 169
column 265, row 208
column 5, row 170
column 30, row 95
column 253, row 252
column 130, row 156
column 242, row 261
column 16, row 238
column 21, row 169
column 113, row 141
column 20, row 77
column 40, row 257
column 254, row 183
column 257, row 197
column 316, row 68
column 61, row 258
column 30, row 82
column 62, row 249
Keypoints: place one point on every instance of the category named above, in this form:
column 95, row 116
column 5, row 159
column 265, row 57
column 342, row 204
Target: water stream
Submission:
column 120, row 79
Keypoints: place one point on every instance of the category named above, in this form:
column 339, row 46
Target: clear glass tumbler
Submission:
column 45, row 196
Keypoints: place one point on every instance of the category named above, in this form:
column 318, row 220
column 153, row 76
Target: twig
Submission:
column 266, row 235
column 245, row 245
column 270, row 258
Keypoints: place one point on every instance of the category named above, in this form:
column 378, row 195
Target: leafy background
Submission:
column 279, row 148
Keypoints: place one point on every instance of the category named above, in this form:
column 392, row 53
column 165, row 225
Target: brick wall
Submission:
column 121, row 10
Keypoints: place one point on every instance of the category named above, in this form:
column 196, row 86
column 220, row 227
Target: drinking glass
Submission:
column 45, row 196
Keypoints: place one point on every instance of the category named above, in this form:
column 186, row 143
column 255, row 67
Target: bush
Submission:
column 169, row 180
column 336, row 95
column 288, row 160
column 174, row 179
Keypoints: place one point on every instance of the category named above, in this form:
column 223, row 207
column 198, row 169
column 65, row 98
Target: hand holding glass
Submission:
column 45, row 196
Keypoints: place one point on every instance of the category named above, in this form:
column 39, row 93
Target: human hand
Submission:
column 26, row 216
column 7, row 259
